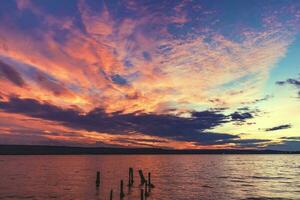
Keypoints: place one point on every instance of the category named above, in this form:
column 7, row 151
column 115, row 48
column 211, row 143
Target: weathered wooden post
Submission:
column 131, row 170
column 143, row 180
column 98, row 179
column 146, row 190
column 130, row 178
column 111, row 195
column 122, row 194
column 149, row 181
column 150, row 185
column 142, row 194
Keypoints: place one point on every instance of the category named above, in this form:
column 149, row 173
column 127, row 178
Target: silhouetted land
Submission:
column 64, row 150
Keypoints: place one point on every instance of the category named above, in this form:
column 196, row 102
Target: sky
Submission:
column 202, row 74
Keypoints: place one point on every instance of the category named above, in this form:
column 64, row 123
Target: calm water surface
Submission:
column 176, row 177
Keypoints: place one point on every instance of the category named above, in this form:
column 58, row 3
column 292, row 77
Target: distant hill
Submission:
column 64, row 150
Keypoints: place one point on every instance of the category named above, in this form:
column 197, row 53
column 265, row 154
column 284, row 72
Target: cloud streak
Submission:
column 281, row 127
column 11, row 74
column 192, row 129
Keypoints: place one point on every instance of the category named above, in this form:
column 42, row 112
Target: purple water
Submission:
column 176, row 177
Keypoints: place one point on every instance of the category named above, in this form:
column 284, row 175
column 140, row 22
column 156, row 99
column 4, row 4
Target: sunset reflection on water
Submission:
column 177, row 177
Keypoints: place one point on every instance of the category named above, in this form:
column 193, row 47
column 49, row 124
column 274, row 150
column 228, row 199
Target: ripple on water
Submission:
column 269, row 177
column 247, row 185
column 17, row 197
column 238, row 181
column 223, row 177
column 207, row 186
column 177, row 177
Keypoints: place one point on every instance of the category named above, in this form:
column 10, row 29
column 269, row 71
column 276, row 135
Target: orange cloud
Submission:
column 138, row 64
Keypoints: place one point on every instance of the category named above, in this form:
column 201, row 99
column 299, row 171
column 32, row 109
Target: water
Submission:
column 176, row 177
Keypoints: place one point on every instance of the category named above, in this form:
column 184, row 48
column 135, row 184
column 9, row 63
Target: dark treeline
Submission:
column 65, row 150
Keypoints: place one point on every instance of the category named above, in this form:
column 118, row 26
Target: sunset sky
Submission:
column 151, row 73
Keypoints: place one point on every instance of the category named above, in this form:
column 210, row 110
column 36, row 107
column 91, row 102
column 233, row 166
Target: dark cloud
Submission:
column 280, row 82
column 33, row 108
column 290, row 138
column 118, row 79
column 36, row 137
column 285, row 145
column 147, row 56
column 246, row 108
column 140, row 142
column 290, row 81
column 241, row 116
column 11, row 74
column 217, row 101
column 250, row 143
column 195, row 128
column 103, row 144
column 49, row 84
column 44, row 80
column 150, row 140
column 265, row 98
column 237, row 116
column 276, row 128
column 241, row 143
column 133, row 96
column 128, row 63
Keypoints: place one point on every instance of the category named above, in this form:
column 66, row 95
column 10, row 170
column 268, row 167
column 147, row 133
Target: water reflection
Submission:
column 179, row 177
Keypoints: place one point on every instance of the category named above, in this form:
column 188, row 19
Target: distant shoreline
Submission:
column 66, row 150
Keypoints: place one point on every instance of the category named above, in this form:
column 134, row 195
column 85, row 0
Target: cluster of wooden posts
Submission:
column 145, row 184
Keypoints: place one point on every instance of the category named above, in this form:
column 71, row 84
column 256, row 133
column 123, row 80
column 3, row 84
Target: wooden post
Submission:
column 143, row 180
column 146, row 190
column 131, row 171
column 122, row 195
column 142, row 194
column 149, row 181
column 130, row 177
column 111, row 195
column 150, row 185
column 98, row 179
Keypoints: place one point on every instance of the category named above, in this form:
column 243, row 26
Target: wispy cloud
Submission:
column 143, row 66
column 106, row 51
column 280, row 127
column 290, row 81
column 6, row 71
